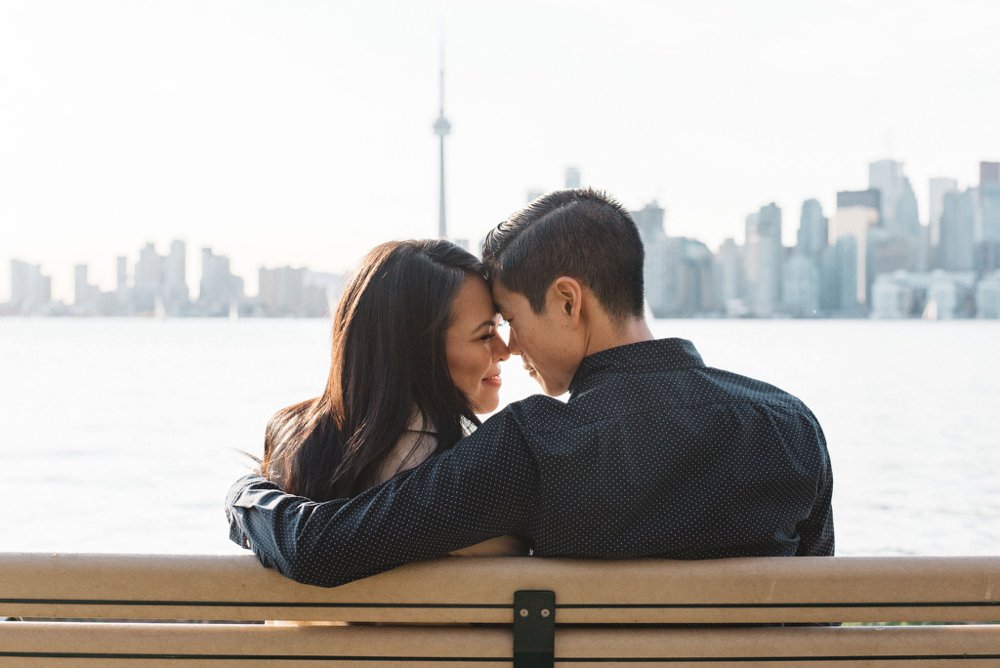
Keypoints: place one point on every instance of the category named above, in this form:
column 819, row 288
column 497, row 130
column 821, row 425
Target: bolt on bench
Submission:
column 151, row 610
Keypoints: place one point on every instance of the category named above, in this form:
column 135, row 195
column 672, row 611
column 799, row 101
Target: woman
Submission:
column 415, row 356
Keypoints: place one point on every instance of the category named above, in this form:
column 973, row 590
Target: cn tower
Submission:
column 442, row 128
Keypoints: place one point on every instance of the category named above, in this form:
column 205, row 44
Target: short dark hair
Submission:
column 582, row 233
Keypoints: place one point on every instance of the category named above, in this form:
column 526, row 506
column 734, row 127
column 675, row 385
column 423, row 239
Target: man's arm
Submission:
column 481, row 488
column 816, row 535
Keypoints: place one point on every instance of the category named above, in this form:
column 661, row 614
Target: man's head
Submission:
column 566, row 272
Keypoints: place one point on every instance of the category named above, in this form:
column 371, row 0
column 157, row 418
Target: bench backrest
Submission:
column 463, row 590
column 525, row 595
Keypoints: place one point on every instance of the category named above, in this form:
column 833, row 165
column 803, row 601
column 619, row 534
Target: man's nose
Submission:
column 512, row 345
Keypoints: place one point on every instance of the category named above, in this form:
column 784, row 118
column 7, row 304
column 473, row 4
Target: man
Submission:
column 654, row 454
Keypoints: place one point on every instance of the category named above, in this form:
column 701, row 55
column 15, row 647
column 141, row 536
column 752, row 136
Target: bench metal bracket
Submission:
column 534, row 629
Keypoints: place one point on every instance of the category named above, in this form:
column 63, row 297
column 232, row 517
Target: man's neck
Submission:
column 611, row 334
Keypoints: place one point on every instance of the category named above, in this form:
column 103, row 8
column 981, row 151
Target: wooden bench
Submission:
column 492, row 611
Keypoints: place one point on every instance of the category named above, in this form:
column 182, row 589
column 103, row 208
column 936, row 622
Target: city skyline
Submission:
column 299, row 133
column 573, row 177
column 871, row 257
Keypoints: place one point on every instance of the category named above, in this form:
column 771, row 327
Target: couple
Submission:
column 654, row 454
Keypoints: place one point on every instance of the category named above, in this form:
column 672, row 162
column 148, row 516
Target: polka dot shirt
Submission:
column 654, row 454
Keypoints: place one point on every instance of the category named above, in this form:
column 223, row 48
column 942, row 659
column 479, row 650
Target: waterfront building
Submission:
column 765, row 255
column 893, row 296
column 572, row 177
column 813, row 230
column 291, row 291
column 898, row 210
column 987, row 257
column 888, row 252
column 950, row 295
column 936, row 295
column 531, row 194
column 658, row 270
column 221, row 291
column 870, row 199
column 696, row 283
column 330, row 287
column 907, row 221
column 750, row 253
column 939, row 187
column 857, row 213
column 989, row 173
column 280, row 290
column 987, row 249
column 829, row 281
column 988, row 296
column 175, row 289
column 955, row 251
column 83, row 291
column 150, row 276
column 886, row 177
column 849, row 296
column 801, row 289
column 121, row 274
column 989, row 203
column 729, row 279
column 30, row 289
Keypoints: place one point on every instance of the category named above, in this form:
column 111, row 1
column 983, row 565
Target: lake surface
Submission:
column 121, row 435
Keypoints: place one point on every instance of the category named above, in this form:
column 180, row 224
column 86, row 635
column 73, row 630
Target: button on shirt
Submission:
column 654, row 454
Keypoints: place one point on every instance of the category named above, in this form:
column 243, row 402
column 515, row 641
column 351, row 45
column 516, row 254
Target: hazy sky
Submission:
column 299, row 132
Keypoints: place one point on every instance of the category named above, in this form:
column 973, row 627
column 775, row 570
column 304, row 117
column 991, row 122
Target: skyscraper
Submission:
column 764, row 255
column 176, row 295
column 989, row 172
column 813, row 229
column 987, row 251
column 442, row 128
column 958, row 221
column 82, row 290
column 989, row 200
column 30, row 289
column 907, row 221
column 938, row 188
column 121, row 275
column 729, row 278
column 656, row 269
column 220, row 289
column 886, row 176
column 150, row 272
column 857, row 212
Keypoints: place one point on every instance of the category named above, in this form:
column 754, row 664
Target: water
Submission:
column 120, row 435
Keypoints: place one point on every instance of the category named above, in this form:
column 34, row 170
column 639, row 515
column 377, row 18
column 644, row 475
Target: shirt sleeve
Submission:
column 481, row 488
column 816, row 535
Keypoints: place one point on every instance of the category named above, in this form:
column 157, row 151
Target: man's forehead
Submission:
column 503, row 297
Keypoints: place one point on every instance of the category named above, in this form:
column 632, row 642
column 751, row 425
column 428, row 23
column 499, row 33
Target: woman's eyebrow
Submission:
column 485, row 323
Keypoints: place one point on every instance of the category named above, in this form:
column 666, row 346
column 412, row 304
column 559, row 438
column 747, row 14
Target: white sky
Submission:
column 299, row 132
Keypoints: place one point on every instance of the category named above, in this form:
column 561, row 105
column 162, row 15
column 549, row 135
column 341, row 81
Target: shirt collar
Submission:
column 659, row 355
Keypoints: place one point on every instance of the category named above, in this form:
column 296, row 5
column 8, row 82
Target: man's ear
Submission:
column 568, row 296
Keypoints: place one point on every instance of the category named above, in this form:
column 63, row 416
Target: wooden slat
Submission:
column 915, row 589
column 150, row 644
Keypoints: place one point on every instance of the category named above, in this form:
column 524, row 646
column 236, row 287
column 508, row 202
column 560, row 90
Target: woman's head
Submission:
column 414, row 330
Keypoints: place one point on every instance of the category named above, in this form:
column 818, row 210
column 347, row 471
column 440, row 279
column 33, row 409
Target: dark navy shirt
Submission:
column 654, row 454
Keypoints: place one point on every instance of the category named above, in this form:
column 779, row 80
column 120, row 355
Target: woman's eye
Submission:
column 487, row 337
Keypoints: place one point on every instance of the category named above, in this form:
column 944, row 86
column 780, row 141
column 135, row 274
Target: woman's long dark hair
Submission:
column 388, row 359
